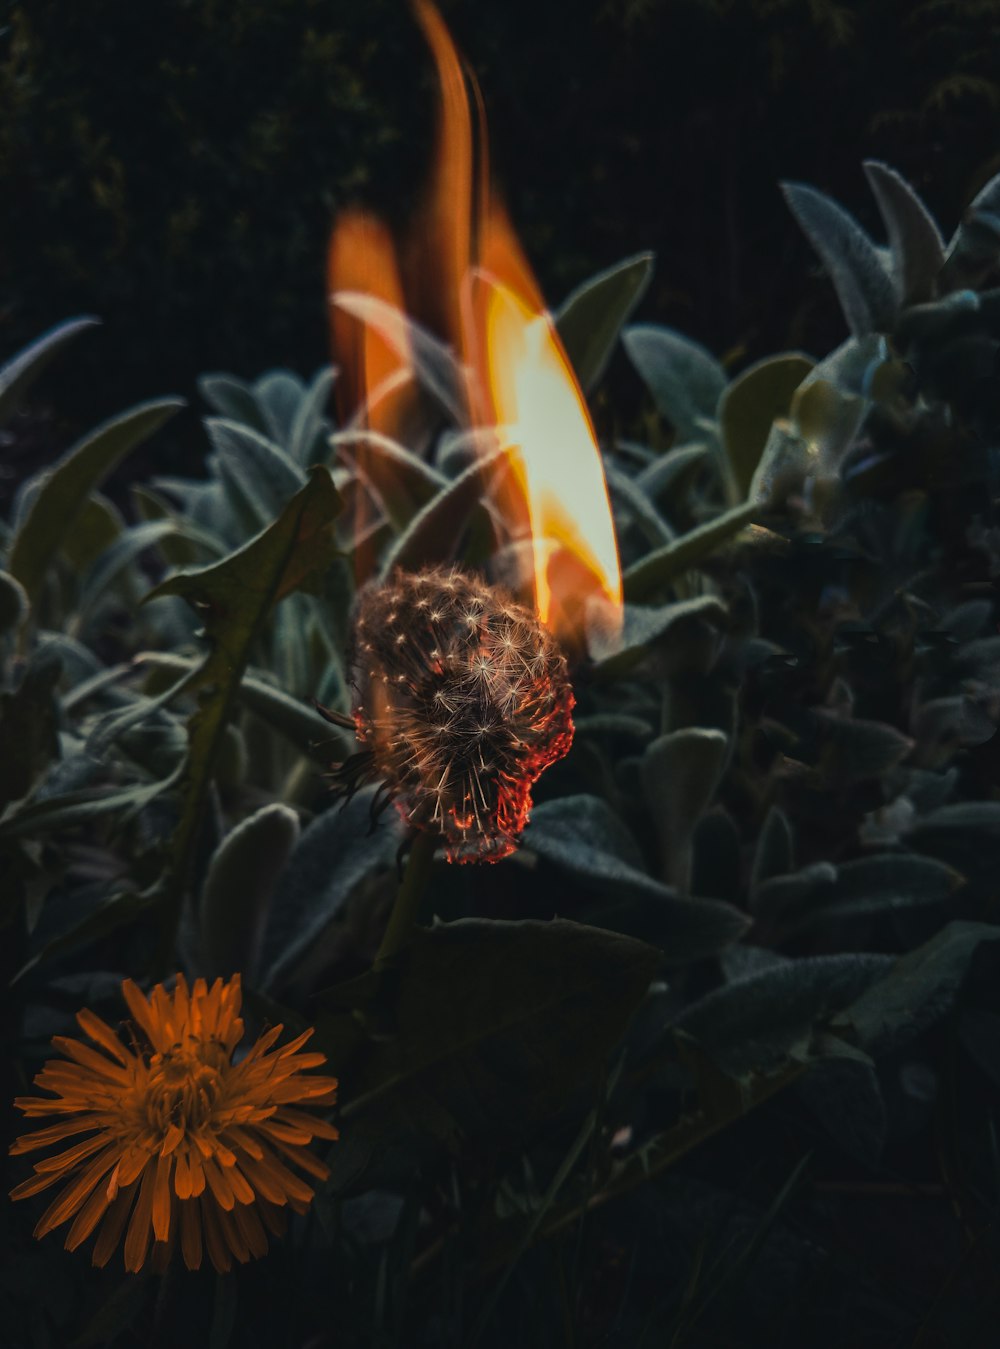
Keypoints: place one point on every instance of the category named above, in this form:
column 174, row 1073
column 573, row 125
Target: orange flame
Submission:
column 520, row 386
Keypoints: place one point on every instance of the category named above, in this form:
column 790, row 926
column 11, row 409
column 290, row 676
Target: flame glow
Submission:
column 520, row 387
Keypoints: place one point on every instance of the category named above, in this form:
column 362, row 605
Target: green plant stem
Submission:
column 408, row 897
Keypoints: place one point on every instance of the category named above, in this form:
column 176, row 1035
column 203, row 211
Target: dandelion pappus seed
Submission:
column 486, row 686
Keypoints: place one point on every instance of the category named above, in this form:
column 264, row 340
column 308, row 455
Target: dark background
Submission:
column 174, row 167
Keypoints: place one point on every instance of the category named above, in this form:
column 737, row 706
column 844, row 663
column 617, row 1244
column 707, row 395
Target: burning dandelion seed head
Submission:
column 182, row 1143
column 463, row 699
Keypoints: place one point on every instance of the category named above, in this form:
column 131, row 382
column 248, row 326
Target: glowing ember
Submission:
column 463, row 700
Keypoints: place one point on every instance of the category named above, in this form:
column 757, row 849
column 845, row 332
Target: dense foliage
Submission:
column 692, row 1064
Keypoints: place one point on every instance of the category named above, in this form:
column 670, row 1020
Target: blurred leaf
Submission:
column 29, row 738
column 335, row 856
column 543, row 1005
column 235, row 597
column 115, row 560
column 685, row 379
column 669, row 473
column 268, row 477
column 975, row 245
column 775, row 848
column 238, row 886
column 859, row 278
column 750, row 405
column 232, row 398
column 13, row 602
column 920, row 988
column 642, row 631
column 68, row 810
column 629, row 497
column 753, row 1024
column 915, row 240
column 305, row 436
column 74, row 477
column 434, row 532
column 435, row 366
column 658, row 569
column 17, row 376
column 402, row 481
column 582, row 836
column 680, row 774
column 591, row 318
column 279, row 394
column 842, row 1090
column 97, row 526
column 112, row 914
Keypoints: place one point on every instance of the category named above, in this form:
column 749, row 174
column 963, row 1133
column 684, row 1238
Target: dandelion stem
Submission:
column 410, row 893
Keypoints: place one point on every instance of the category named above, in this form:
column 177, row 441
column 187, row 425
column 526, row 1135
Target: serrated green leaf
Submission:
column 590, row 319
column 66, row 489
column 235, row 597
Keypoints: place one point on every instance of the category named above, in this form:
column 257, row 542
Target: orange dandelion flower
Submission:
column 181, row 1139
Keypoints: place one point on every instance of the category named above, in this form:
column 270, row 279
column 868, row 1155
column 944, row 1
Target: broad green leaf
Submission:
column 591, row 318
column 297, row 721
column 305, row 438
column 117, row 559
column 920, row 988
column 680, row 774
column 238, row 887
column 279, row 395
column 29, row 738
column 18, row 375
column 113, row 913
column 404, row 484
column 66, row 489
column 234, row 598
column 543, row 1005
column 643, row 629
column 13, row 602
column 434, row 532
column 232, row 398
column 266, row 474
column 751, row 404
column 685, row 379
column 339, row 854
column 626, row 493
column 583, row 837
column 659, row 569
column 915, row 240
column 756, row 1023
column 862, row 284
column 433, row 363
column 974, row 247
column 97, row 526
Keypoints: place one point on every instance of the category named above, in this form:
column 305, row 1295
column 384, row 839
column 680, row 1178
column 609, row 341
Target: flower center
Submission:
column 185, row 1084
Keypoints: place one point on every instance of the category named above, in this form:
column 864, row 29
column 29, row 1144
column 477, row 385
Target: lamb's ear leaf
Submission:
column 751, row 404
column 66, row 489
column 592, row 316
column 860, row 279
column 685, row 379
column 19, row 374
column 238, row 888
column 915, row 240
column 975, row 245
column 921, row 987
